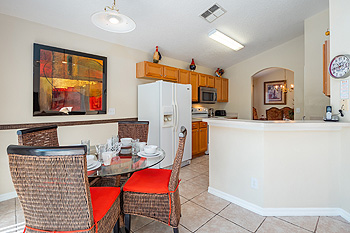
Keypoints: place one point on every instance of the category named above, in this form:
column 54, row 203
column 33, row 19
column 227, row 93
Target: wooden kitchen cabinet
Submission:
column 224, row 90
column 218, row 86
column 211, row 81
column 203, row 80
column 170, row 73
column 199, row 138
column 326, row 61
column 184, row 76
column 194, row 80
column 152, row 70
column 203, row 140
column 195, row 138
column 149, row 70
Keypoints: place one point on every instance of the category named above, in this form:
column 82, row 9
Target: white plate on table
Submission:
column 145, row 155
column 93, row 165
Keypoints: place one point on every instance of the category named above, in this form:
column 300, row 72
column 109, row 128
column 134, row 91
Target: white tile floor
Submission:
column 205, row 213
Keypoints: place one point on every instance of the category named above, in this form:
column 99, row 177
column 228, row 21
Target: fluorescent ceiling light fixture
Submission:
column 225, row 40
column 111, row 20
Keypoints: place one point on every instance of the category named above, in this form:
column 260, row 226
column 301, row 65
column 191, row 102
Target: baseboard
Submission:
column 345, row 215
column 280, row 211
column 7, row 196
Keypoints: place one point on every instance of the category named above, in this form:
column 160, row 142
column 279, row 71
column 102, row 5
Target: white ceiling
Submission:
column 175, row 25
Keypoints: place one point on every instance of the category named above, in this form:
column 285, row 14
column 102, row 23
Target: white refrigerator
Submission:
column 167, row 107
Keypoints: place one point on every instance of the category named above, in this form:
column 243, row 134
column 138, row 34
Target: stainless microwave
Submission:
column 207, row 95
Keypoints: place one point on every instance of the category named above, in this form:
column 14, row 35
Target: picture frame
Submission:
column 67, row 82
column 273, row 93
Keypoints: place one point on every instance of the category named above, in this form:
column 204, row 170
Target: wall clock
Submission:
column 340, row 66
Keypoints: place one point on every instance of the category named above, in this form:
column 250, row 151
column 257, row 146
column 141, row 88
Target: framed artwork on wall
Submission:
column 273, row 93
column 67, row 82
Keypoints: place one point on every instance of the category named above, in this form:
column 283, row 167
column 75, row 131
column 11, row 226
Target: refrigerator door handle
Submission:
column 175, row 116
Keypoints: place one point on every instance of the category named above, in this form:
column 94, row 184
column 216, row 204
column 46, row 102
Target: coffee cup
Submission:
column 126, row 141
column 150, row 149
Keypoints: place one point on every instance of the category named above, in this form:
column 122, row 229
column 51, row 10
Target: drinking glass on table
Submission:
column 87, row 143
column 135, row 146
column 99, row 150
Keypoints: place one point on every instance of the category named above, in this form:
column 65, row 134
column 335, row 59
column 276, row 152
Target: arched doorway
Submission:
column 273, row 94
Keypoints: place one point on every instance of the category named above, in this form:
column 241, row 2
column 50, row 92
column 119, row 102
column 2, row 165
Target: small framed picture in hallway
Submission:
column 274, row 92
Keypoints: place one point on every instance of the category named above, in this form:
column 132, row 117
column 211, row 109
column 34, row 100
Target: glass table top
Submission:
column 124, row 164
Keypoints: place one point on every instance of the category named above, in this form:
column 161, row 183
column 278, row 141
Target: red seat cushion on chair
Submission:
column 149, row 181
column 102, row 199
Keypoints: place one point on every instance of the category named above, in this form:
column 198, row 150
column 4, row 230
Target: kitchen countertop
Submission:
column 306, row 125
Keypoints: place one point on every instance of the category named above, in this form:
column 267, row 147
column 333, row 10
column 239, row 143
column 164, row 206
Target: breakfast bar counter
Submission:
column 281, row 167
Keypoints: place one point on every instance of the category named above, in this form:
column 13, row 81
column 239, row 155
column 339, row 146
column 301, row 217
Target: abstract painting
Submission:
column 67, row 82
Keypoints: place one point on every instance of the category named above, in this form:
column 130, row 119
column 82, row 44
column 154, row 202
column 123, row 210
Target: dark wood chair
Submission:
column 154, row 193
column 288, row 113
column 255, row 114
column 53, row 189
column 273, row 114
column 133, row 129
column 38, row 136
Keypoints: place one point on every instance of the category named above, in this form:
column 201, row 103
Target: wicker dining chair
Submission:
column 53, row 189
column 39, row 136
column 273, row 114
column 133, row 129
column 154, row 193
column 126, row 129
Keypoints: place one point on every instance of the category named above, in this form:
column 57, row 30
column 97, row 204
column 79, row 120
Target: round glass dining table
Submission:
column 124, row 164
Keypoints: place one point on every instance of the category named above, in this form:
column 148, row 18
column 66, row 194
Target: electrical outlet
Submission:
column 344, row 104
column 111, row 111
column 254, row 183
column 297, row 110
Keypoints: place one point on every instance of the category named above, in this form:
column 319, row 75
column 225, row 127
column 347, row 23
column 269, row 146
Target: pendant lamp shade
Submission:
column 111, row 20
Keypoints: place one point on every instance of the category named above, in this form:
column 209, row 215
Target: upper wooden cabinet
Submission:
column 203, row 80
column 147, row 69
column 218, row 86
column 211, row 81
column 221, row 85
column 206, row 80
column 224, row 90
column 184, row 76
column 170, row 73
column 326, row 76
column 194, row 80
column 151, row 70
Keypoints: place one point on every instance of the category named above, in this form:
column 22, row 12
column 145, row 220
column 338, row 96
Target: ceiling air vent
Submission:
column 213, row 13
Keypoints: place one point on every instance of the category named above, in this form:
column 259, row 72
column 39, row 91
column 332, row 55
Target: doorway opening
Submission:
column 273, row 94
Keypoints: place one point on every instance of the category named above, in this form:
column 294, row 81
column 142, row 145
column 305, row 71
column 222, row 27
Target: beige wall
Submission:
column 310, row 174
column 315, row 101
column 258, row 89
column 340, row 37
column 236, row 158
column 289, row 56
column 16, row 57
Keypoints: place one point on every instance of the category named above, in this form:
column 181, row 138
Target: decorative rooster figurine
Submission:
column 157, row 56
column 192, row 65
column 219, row 72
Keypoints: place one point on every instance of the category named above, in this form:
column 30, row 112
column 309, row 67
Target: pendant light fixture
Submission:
column 111, row 20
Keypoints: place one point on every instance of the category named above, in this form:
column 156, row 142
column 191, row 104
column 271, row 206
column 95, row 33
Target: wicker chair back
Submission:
column 39, row 136
column 133, row 129
column 52, row 186
column 174, row 178
column 273, row 114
